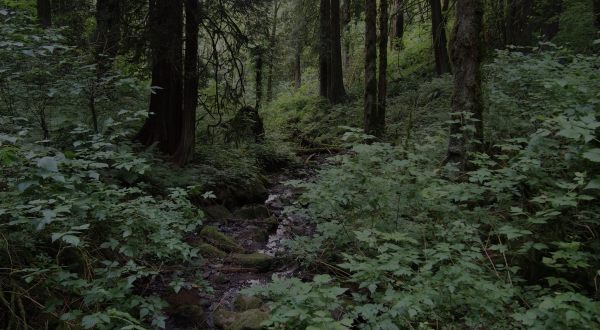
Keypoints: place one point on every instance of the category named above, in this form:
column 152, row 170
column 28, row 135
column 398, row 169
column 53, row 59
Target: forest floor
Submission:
column 242, row 247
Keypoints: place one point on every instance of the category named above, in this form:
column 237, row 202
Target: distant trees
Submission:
column 596, row 5
column 467, row 103
column 44, row 13
column 108, row 32
column 438, row 30
column 397, row 23
column 331, row 84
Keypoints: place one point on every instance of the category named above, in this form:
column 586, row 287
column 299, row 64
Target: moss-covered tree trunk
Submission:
column 438, row 31
column 371, row 124
column 383, row 58
column 163, row 125
column 336, row 92
column 44, row 13
column 185, row 149
column 467, row 105
column 324, row 47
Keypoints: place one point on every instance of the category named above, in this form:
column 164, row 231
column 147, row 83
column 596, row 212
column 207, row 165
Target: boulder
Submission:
column 260, row 261
column 247, row 320
column 256, row 211
column 243, row 303
column 217, row 212
column 219, row 240
column 209, row 251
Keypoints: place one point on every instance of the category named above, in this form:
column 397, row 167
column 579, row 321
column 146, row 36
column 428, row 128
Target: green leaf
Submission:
column 48, row 163
column 593, row 155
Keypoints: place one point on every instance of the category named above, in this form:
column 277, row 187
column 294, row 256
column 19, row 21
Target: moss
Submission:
column 252, row 212
column 220, row 240
column 207, row 250
column 243, row 303
column 260, row 261
column 188, row 315
column 217, row 212
column 247, row 320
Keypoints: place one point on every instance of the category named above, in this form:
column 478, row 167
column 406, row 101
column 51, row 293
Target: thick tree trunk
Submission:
column 272, row 45
column 44, row 13
column 398, row 24
column 438, row 30
column 383, row 43
column 324, row 47
column 371, row 124
column 518, row 25
column 336, row 92
column 185, row 150
column 108, row 33
column 163, row 126
column 467, row 104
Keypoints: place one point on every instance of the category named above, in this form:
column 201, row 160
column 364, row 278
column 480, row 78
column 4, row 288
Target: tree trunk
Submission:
column 467, row 104
column 551, row 19
column 163, row 126
column 370, row 98
column 107, row 34
column 324, row 46
column 398, row 24
column 383, row 42
column 258, row 68
column 298, row 67
column 336, row 92
column 346, row 18
column 518, row 23
column 44, row 13
column 185, row 150
column 438, row 30
column 272, row 45
column 596, row 4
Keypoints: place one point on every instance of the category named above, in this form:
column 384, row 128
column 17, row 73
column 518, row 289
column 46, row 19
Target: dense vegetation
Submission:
column 452, row 150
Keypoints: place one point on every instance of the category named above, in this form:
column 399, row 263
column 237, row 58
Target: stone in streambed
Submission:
column 207, row 250
column 260, row 261
column 220, row 240
column 243, row 303
column 247, row 320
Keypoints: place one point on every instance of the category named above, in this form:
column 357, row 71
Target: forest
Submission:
column 299, row 164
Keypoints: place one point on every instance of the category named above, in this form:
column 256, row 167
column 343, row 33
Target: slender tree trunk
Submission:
column 298, row 67
column 107, row 34
column 258, row 83
column 272, row 45
column 324, row 46
column 370, row 98
column 596, row 4
column 163, row 126
column 336, row 92
column 346, row 18
column 44, row 13
column 518, row 23
column 383, row 42
column 438, row 29
column 398, row 24
column 467, row 104
column 185, row 150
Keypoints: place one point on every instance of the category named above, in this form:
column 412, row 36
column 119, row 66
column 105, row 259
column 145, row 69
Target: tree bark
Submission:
column 383, row 43
column 438, row 30
column 467, row 104
column 596, row 4
column 346, row 18
column 551, row 19
column 298, row 67
column 258, row 70
column 44, row 13
column 336, row 92
column 272, row 45
column 398, row 24
column 163, row 126
column 107, row 34
column 371, row 124
column 185, row 150
column 324, row 47
column 518, row 23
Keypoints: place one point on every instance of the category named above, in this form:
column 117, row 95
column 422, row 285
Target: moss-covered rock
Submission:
column 260, row 261
column 189, row 315
column 243, row 303
column 217, row 212
column 247, row 320
column 252, row 212
column 218, row 239
column 207, row 250
column 271, row 223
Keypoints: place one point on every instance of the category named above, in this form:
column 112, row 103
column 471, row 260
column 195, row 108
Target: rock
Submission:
column 252, row 212
column 183, row 298
column 220, row 240
column 189, row 315
column 260, row 261
column 271, row 223
column 243, row 303
column 217, row 212
column 247, row 320
column 207, row 250
column 259, row 234
column 252, row 192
